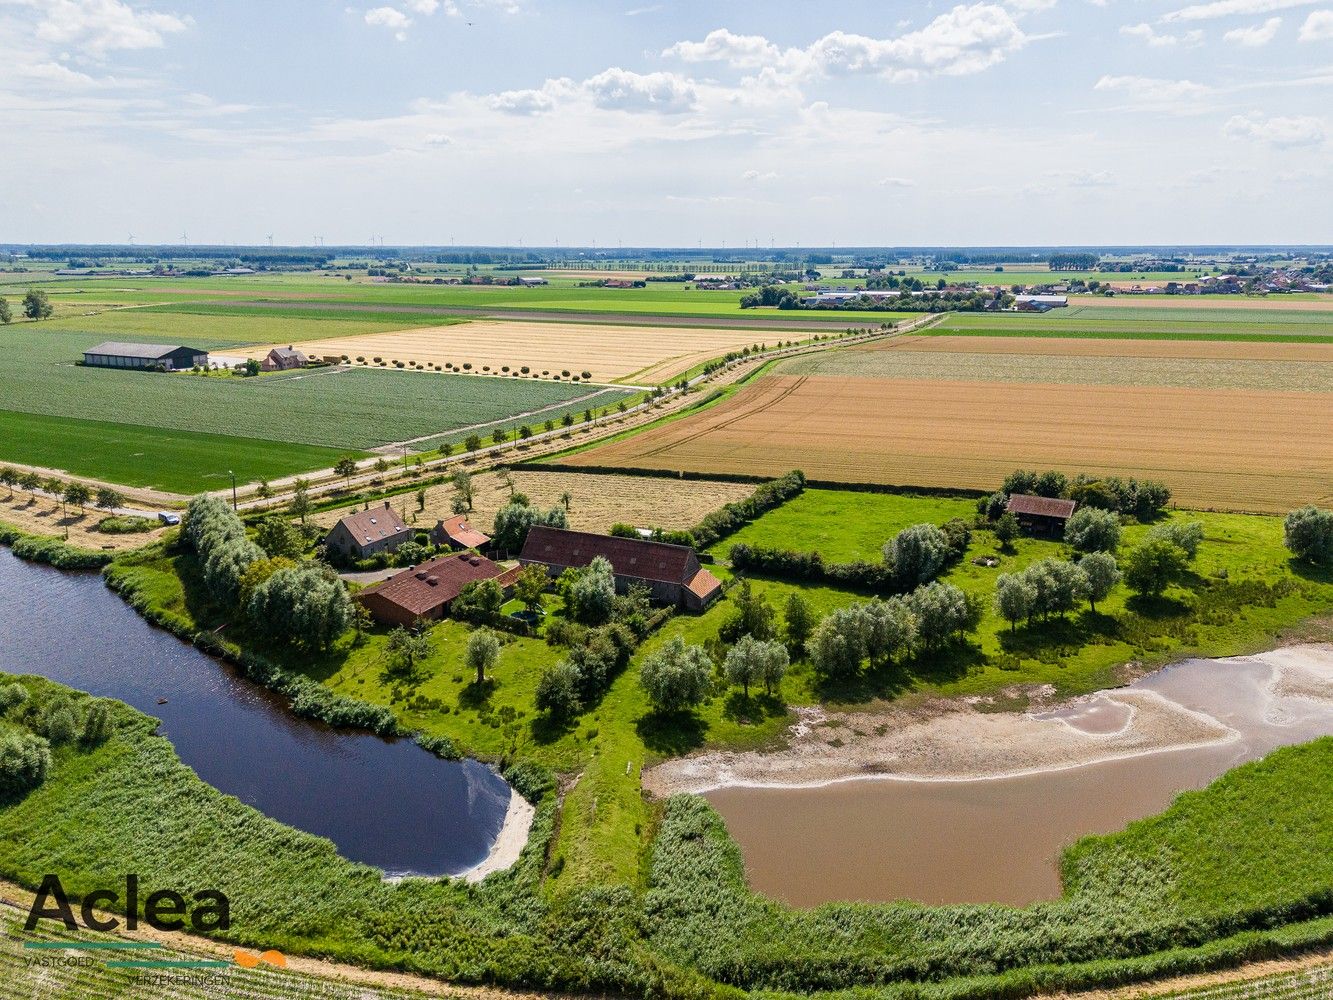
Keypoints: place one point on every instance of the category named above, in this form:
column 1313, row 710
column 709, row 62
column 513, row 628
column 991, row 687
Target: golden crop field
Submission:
column 1232, row 449
column 1187, row 364
column 644, row 354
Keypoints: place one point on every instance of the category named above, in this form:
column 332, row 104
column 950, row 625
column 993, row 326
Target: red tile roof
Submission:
column 703, row 585
column 629, row 557
column 374, row 524
column 425, row 588
column 1020, row 503
column 458, row 529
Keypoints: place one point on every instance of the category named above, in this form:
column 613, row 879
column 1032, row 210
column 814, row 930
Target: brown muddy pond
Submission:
column 999, row 839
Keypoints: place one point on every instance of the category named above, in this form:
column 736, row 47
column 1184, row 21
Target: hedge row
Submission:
column 731, row 517
column 52, row 551
column 810, row 567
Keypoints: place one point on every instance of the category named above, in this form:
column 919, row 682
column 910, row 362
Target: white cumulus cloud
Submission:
column 101, row 26
column 1296, row 130
column 1318, row 27
column 967, row 39
column 624, row 90
column 1254, row 35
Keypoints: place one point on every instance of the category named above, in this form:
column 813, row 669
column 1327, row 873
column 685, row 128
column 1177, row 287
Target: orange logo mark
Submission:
column 247, row 961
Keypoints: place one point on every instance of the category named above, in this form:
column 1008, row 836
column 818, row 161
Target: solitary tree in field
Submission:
column 345, row 467
column 405, row 649
column 530, row 586
column 421, row 498
column 6, row 313
column 753, row 660
column 498, row 435
column 446, row 450
column 483, row 648
column 109, row 499
column 473, row 442
column 463, row 489
column 507, row 481
column 800, row 622
column 549, row 425
column 78, row 494
column 1101, row 574
column 1308, row 534
column 1154, row 566
column 9, row 477
column 677, row 676
column 565, row 500
column 567, row 420
column 36, row 305
column 1006, row 530
column 1093, row 530
column 1015, row 597
column 301, row 499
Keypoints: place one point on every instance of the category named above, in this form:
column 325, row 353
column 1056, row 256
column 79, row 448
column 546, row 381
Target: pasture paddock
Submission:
column 1252, row 450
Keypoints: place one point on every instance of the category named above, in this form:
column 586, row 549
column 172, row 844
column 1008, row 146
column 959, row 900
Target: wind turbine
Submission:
column 185, row 239
column 269, row 237
column 131, row 239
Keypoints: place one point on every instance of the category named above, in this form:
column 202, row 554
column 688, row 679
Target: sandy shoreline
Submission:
column 509, row 844
column 954, row 742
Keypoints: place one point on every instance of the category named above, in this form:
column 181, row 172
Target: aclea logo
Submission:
column 163, row 909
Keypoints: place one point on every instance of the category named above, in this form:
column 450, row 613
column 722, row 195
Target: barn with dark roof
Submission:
column 1041, row 515
column 672, row 573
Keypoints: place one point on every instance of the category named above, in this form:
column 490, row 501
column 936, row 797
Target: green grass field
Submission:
column 177, row 461
column 292, row 421
column 1108, row 323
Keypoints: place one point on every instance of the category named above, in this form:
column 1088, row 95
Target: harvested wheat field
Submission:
column 644, row 354
column 1229, row 449
column 1218, row 350
column 1187, row 364
column 597, row 500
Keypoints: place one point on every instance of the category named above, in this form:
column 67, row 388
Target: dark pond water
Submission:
column 386, row 803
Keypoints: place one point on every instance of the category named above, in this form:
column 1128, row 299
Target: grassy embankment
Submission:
column 1192, row 888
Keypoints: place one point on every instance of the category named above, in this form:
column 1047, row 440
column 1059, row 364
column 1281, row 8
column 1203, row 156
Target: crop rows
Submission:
column 1233, row 449
column 356, row 409
column 899, row 361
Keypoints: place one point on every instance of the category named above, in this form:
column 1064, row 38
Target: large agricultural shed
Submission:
column 115, row 354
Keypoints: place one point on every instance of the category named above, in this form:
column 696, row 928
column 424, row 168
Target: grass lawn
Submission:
column 176, row 461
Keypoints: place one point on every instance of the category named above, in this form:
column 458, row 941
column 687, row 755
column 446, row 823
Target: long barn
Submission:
column 114, row 354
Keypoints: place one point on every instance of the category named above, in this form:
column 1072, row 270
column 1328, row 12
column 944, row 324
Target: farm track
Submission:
column 530, row 315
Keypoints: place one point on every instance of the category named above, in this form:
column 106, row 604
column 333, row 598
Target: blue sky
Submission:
column 669, row 123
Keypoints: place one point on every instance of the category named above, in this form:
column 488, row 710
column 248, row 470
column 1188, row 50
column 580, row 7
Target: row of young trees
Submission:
column 299, row 602
column 72, row 492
